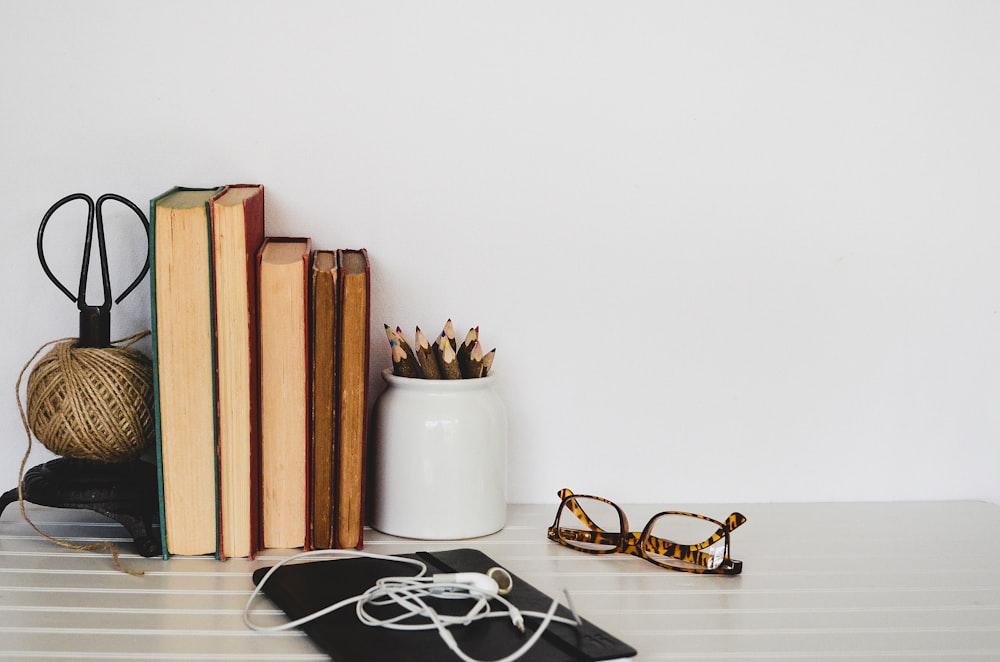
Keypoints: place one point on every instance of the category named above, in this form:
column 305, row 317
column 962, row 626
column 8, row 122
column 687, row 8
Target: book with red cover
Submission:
column 237, row 226
column 304, row 588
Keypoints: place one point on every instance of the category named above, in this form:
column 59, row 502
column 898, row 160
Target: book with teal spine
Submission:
column 183, row 360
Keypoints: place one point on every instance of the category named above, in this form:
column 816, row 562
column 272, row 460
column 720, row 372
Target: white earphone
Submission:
column 496, row 581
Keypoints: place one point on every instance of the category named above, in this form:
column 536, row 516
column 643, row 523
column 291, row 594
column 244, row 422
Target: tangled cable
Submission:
column 410, row 594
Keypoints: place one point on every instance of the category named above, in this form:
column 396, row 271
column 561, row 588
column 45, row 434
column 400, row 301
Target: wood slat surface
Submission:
column 914, row 581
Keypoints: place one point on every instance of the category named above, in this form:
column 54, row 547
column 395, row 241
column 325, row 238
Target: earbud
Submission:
column 503, row 579
column 496, row 581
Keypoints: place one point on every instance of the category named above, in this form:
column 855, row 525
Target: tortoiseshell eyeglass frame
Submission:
column 635, row 543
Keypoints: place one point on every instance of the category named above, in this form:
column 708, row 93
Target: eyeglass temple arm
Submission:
column 731, row 523
column 580, row 535
column 580, row 513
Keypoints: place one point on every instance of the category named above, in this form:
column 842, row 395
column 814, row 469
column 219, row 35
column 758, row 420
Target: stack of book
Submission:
column 260, row 352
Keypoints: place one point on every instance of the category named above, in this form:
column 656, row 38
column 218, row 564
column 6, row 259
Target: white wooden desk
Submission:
column 827, row 581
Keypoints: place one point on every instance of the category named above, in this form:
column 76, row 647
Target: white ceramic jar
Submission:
column 439, row 458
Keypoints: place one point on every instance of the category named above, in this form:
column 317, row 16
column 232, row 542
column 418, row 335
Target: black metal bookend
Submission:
column 123, row 491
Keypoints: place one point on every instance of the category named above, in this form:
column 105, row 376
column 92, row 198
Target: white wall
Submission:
column 726, row 251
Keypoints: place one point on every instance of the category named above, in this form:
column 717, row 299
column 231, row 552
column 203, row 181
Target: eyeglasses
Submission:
column 671, row 539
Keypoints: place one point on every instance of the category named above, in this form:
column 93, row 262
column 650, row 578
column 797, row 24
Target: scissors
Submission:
column 95, row 321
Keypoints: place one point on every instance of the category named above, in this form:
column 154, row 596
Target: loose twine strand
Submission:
column 104, row 544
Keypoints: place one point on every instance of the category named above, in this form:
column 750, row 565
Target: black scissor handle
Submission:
column 95, row 321
column 104, row 258
column 94, row 218
column 41, row 233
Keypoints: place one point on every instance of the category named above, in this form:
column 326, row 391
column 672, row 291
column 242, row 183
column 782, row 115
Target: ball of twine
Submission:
column 92, row 403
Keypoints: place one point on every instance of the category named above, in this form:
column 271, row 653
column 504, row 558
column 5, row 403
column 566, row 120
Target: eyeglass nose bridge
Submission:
column 631, row 543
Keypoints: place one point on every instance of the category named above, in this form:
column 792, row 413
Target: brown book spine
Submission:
column 255, row 237
column 355, row 288
column 323, row 331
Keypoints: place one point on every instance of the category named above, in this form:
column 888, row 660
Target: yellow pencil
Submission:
column 449, row 333
column 448, row 360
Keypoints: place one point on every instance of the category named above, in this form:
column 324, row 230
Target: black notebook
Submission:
column 304, row 588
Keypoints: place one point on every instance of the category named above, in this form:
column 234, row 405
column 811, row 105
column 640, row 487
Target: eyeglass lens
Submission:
column 684, row 530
